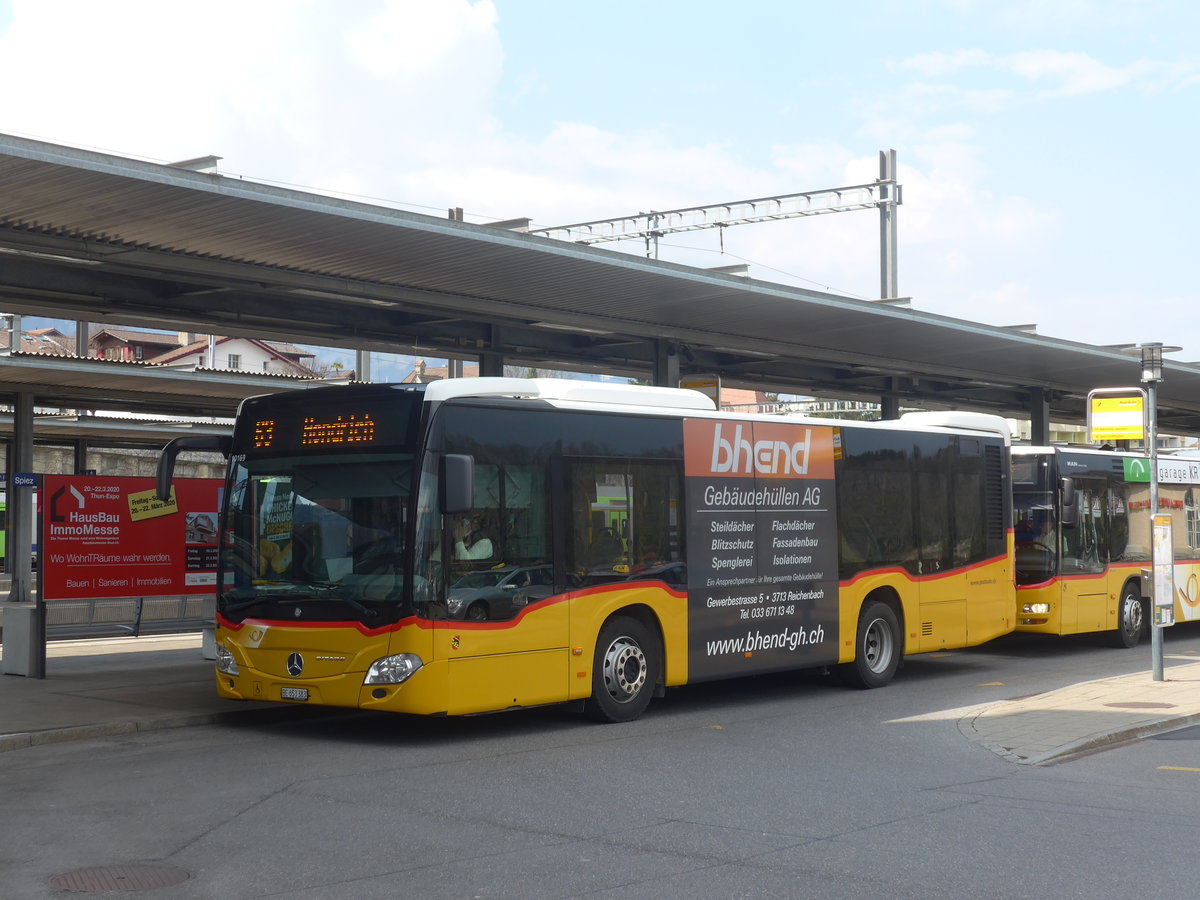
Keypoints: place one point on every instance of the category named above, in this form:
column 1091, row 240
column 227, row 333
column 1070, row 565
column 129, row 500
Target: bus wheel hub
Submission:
column 624, row 669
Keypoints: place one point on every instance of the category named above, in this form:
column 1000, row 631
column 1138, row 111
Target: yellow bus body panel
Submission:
column 590, row 608
column 962, row 608
column 1086, row 604
column 335, row 660
column 502, row 665
column 1078, row 604
column 545, row 655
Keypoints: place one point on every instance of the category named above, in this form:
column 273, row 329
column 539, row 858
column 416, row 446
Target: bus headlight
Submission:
column 393, row 669
column 1035, row 609
column 226, row 664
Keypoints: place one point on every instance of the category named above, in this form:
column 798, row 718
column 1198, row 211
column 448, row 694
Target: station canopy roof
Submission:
column 107, row 239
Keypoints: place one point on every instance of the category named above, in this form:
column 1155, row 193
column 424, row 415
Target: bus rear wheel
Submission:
column 624, row 671
column 877, row 648
column 1131, row 618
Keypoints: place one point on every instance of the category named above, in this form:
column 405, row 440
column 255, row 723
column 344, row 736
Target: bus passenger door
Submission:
column 941, row 586
column 1084, row 589
column 503, row 634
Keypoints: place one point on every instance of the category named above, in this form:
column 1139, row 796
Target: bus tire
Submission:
column 624, row 671
column 877, row 648
column 1131, row 617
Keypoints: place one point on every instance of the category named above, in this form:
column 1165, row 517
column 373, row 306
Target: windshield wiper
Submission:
column 302, row 590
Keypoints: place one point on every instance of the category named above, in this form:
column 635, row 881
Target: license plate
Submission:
column 291, row 693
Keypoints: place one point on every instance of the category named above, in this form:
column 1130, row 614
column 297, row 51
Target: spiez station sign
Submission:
column 1117, row 414
column 109, row 536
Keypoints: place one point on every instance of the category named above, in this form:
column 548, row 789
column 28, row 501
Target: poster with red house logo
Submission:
column 110, row 536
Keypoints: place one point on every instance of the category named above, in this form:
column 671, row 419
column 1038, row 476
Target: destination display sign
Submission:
column 322, row 421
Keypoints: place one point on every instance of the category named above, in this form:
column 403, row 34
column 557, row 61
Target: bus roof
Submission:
column 569, row 390
column 646, row 398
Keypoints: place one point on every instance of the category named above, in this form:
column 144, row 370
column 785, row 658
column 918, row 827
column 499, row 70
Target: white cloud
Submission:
column 283, row 89
column 942, row 63
column 1054, row 73
column 399, row 100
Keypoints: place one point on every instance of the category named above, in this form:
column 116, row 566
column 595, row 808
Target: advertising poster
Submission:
column 762, row 546
column 109, row 536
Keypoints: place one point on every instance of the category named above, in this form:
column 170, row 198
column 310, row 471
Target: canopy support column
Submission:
column 1039, row 416
column 666, row 364
column 491, row 361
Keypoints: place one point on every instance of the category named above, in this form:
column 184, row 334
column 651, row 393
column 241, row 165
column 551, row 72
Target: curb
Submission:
column 1111, row 738
column 24, row 740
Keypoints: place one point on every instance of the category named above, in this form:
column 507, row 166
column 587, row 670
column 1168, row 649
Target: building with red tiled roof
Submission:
column 236, row 354
column 129, row 345
column 188, row 349
column 424, row 374
column 40, row 340
column 746, row 401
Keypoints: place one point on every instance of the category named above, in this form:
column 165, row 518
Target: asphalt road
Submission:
column 784, row 786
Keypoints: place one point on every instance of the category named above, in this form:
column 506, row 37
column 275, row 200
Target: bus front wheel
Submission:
column 877, row 648
column 624, row 671
column 1131, row 617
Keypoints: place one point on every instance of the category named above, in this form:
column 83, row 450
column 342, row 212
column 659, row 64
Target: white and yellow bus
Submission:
column 451, row 548
column 1083, row 538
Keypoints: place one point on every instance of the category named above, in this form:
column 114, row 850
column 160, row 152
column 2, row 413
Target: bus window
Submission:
column 1085, row 544
column 969, row 500
column 643, row 538
column 875, row 505
column 1192, row 520
column 1119, row 547
column 488, row 563
column 933, row 491
column 1036, row 556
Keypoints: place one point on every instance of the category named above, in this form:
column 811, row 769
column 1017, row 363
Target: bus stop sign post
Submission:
column 1161, row 558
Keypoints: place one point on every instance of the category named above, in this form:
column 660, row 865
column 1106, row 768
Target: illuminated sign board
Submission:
column 320, row 422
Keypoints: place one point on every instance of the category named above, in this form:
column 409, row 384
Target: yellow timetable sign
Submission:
column 708, row 385
column 1117, row 416
column 146, row 505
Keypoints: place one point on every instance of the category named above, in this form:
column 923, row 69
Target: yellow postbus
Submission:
column 451, row 548
column 1083, row 538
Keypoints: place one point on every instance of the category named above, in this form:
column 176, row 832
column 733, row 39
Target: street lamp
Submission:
column 1152, row 361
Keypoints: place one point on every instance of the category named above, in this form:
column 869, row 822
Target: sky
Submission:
column 1042, row 146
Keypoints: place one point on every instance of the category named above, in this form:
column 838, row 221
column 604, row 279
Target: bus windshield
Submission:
column 1036, row 537
column 317, row 538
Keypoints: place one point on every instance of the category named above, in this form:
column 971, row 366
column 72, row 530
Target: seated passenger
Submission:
column 469, row 541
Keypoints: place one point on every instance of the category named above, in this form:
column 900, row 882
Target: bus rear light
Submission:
column 1034, row 609
column 393, row 669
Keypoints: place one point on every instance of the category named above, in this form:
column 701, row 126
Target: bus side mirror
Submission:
column 457, row 480
column 218, row 443
column 1070, row 503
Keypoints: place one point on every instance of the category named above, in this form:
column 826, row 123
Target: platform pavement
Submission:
column 115, row 685
column 110, row 686
column 1049, row 727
